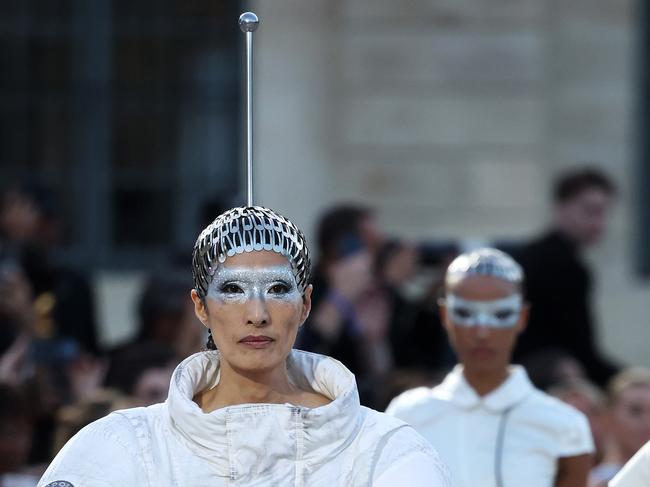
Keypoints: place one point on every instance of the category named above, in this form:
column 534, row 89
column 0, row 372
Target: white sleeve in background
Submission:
column 575, row 436
column 415, row 470
column 403, row 406
column 636, row 472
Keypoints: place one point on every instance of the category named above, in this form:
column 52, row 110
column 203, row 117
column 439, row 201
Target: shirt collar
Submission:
column 512, row 391
column 327, row 429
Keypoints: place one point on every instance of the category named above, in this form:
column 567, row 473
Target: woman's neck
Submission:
column 485, row 381
column 238, row 387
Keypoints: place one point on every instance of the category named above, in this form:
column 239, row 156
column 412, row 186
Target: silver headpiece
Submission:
column 248, row 229
column 485, row 262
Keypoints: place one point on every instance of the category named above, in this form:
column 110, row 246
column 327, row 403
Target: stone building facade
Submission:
column 452, row 118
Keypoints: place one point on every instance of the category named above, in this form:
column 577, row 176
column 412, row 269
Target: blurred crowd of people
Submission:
column 375, row 308
column 55, row 377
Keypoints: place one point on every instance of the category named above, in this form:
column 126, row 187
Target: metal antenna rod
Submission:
column 248, row 22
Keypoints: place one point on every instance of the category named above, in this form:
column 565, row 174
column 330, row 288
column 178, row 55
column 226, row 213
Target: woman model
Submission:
column 486, row 419
column 250, row 411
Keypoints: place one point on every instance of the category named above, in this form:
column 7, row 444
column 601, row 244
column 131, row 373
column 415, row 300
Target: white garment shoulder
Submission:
column 413, row 405
column 411, row 397
column 176, row 443
column 415, row 470
column 82, row 462
column 417, row 406
column 571, row 427
column 422, row 465
column 556, row 410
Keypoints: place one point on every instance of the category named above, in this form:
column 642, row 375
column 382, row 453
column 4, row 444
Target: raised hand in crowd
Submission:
column 20, row 216
column 86, row 374
column 14, row 361
column 16, row 298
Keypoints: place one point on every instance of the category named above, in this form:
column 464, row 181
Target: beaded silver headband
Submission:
column 485, row 262
column 248, row 229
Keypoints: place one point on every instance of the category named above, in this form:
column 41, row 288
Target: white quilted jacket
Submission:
column 176, row 444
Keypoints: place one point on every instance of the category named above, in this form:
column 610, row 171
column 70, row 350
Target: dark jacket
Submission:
column 558, row 286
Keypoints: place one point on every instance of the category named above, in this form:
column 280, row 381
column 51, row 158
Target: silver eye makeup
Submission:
column 462, row 312
column 230, row 288
column 243, row 283
column 500, row 313
column 280, row 288
column 504, row 314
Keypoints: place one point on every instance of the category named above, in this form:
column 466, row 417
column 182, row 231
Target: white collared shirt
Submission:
column 516, row 433
column 176, row 444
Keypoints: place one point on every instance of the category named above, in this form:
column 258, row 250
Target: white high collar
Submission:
column 513, row 390
column 259, row 434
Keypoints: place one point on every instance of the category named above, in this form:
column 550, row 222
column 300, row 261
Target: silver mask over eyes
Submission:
column 499, row 313
column 485, row 262
column 248, row 229
column 241, row 284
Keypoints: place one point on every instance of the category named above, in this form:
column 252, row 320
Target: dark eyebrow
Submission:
column 275, row 282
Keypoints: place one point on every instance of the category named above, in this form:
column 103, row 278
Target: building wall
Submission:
column 452, row 117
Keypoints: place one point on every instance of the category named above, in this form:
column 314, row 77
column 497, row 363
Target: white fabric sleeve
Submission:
column 102, row 454
column 636, row 472
column 575, row 437
column 402, row 406
column 393, row 407
column 407, row 455
column 415, row 470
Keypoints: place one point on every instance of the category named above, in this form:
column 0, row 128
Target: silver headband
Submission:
column 485, row 262
column 248, row 229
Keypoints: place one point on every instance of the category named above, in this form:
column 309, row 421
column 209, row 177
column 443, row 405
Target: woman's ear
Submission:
column 442, row 310
column 446, row 323
column 523, row 317
column 200, row 308
column 306, row 304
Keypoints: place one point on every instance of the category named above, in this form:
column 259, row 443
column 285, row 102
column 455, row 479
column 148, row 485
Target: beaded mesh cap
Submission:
column 248, row 229
column 485, row 262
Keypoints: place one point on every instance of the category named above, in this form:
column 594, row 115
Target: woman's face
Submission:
column 487, row 346
column 254, row 309
column 631, row 418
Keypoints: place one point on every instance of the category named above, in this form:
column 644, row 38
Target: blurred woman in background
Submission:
column 489, row 423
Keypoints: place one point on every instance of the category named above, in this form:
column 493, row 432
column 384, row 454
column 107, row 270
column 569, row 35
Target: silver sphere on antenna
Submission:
column 248, row 22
